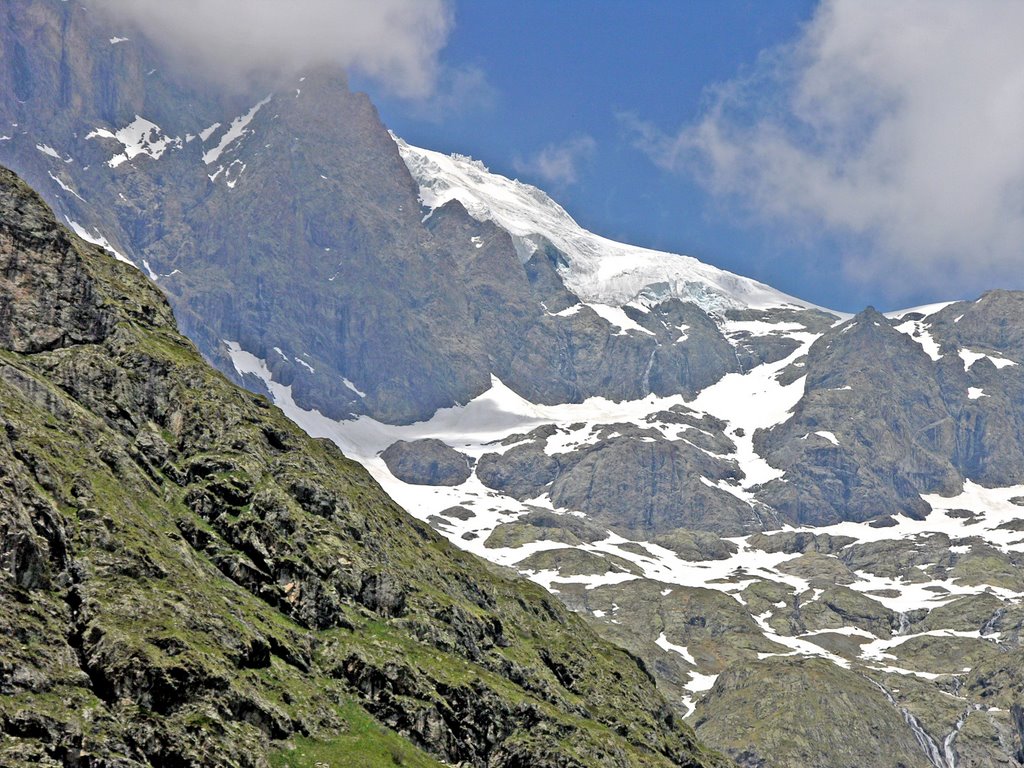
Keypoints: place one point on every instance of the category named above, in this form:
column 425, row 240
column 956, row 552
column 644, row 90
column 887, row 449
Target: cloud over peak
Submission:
column 396, row 42
column 558, row 164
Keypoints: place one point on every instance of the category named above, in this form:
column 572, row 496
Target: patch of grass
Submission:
column 366, row 744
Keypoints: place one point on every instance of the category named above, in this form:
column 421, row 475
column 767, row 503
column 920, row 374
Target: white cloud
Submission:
column 458, row 90
column 899, row 126
column 396, row 42
column 558, row 164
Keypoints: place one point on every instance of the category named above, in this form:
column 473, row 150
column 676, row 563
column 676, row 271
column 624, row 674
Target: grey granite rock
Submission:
column 427, row 462
column 875, row 390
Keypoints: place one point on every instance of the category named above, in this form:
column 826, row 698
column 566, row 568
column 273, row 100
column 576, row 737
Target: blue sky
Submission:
column 788, row 141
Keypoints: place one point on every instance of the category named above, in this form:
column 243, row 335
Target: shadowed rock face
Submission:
column 427, row 462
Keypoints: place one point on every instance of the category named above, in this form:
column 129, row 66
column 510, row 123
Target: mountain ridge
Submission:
column 598, row 270
column 496, row 314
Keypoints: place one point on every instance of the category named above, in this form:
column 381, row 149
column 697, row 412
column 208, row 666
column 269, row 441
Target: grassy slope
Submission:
column 212, row 586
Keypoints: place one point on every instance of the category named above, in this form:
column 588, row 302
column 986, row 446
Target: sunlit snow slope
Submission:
column 599, row 270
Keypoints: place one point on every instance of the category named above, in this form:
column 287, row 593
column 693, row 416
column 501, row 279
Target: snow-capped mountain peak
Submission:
column 598, row 270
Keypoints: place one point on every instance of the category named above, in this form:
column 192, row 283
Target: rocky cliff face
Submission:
column 877, row 392
column 49, row 299
column 189, row 579
column 904, row 413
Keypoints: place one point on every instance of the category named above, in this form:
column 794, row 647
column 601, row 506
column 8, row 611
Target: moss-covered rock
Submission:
column 818, row 569
column 569, row 562
column 542, row 525
column 798, row 712
column 713, row 627
column 695, row 546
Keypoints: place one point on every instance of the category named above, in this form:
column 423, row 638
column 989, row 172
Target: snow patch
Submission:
column 828, row 436
column 235, row 131
column 924, row 310
column 759, row 327
column 140, row 137
column 65, row 187
column 700, row 683
column 568, row 311
column 752, row 401
column 353, row 387
column 206, row 133
column 970, row 357
column 617, row 317
column 49, row 151
column 96, row 238
column 664, row 643
column 918, row 331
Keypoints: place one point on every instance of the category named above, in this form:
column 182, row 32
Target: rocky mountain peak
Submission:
column 863, row 346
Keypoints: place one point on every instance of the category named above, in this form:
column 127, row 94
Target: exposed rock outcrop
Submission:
column 427, row 462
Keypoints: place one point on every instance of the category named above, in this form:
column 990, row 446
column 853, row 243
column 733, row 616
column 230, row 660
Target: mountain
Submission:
column 594, row 269
column 189, row 579
column 807, row 524
column 375, row 310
